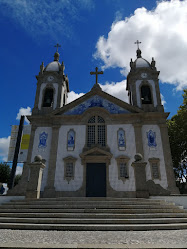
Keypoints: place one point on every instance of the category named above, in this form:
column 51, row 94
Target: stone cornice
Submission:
column 130, row 118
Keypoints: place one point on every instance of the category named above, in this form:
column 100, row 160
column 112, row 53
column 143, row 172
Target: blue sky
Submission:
column 91, row 33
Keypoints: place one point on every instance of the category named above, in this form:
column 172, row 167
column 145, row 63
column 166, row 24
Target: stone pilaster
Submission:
column 140, row 179
column 167, row 159
column 35, row 178
column 49, row 190
column 138, row 139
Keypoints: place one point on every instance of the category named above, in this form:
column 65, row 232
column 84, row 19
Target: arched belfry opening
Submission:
column 48, row 97
column 146, row 97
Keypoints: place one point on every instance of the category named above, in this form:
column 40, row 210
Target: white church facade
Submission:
column 88, row 146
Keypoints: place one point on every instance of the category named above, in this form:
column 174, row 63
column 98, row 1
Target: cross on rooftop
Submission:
column 57, row 46
column 137, row 42
column 96, row 74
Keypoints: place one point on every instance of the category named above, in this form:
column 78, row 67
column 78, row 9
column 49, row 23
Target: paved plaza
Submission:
column 93, row 239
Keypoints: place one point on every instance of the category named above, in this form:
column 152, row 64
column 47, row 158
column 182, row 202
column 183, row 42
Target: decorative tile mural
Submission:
column 43, row 140
column 151, row 137
column 121, row 139
column 96, row 101
column 71, row 140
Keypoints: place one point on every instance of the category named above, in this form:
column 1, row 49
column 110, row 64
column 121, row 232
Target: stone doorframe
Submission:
column 96, row 155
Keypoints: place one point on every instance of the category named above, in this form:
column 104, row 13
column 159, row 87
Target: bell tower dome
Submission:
column 52, row 86
column 143, row 84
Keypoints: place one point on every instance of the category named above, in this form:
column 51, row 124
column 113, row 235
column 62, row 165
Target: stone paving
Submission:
column 93, row 239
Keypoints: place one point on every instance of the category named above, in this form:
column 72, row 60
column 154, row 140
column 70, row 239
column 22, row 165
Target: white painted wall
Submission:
column 80, row 135
column 157, row 153
column 44, row 152
column 43, row 85
column 116, row 184
column 152, row 83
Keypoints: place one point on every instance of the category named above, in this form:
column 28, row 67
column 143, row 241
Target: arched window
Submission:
column 48, row 97
column 96, row 131
column 146, row 95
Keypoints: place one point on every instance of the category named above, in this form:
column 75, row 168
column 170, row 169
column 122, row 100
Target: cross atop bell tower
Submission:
column 57, row 55
column 138, row 51
column 137, row 42
column 57, row 46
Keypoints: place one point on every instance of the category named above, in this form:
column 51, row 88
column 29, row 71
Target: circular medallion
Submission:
column 50, row 78
column 144, row 75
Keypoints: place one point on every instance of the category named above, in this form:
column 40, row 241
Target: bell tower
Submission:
column 143, row 84
column 52, row 86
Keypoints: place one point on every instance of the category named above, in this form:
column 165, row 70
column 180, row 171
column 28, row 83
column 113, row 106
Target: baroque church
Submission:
column 90, row 146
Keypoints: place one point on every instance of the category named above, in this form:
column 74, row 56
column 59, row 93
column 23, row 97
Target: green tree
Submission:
column 4, row 172
column 177, row 129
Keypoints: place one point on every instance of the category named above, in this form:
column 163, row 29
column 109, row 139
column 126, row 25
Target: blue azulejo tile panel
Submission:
column 96, row 101
column 151, row 137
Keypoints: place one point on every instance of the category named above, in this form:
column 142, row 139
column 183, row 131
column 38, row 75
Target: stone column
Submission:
column 49, row 190
column 140, row 179
column 35, row 179
column 168, row 160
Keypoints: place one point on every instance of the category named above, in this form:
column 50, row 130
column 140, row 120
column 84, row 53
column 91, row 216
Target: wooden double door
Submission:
column 96, row 180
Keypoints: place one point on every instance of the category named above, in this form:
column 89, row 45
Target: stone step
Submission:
column 90, row 206
column 106, row 199
column 89, row 214
column 93, row 210
column 95, row 216
column 93, row 227
column 91, row 221
column 88, row 203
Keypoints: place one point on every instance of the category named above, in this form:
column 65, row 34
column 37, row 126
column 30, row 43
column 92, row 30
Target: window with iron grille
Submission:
column 69, row 170
column 122, row 164
column 96, row 131
column 123, row 170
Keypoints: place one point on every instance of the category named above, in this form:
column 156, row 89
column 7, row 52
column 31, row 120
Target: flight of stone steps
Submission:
column 89, row 214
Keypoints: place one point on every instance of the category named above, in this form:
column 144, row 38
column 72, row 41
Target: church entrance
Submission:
column 96, row 180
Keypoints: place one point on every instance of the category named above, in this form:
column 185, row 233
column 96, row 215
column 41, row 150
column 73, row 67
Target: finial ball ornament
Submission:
column 38, row 158
column 138, row 157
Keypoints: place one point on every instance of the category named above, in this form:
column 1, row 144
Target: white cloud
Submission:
column 163, row 100
column 4, row 145
column 162, row 32
column 48, row 18
column 25, row 112
column 117, row 90
column 72, row 96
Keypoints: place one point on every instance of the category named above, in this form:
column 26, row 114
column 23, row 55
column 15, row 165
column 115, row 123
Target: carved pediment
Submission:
column 100, row 99
column 96, row 101
column 96, row 154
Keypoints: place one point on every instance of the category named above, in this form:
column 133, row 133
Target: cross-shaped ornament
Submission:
column 57, row 46
column 137, row 42
column 96, row 74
